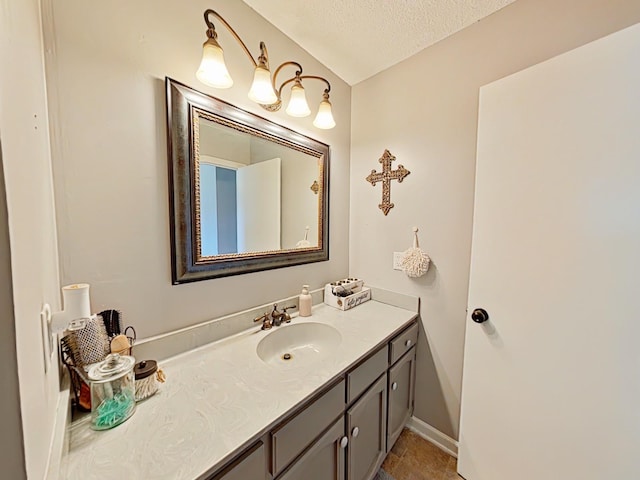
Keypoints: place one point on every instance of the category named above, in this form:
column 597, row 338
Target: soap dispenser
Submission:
column 304, row 302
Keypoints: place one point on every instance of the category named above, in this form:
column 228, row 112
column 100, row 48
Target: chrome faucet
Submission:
column 278, row 317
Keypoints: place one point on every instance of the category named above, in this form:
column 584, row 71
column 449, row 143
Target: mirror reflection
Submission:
column 245, row 194
column 254, row 195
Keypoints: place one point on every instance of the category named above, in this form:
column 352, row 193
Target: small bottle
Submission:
column 304, row 302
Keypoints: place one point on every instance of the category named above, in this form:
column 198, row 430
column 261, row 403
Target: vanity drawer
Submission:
column 402, row 343
column 288, row 440
column 360, row 378
column 251, row 464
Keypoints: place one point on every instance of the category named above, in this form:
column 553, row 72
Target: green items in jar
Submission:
column 112, row 391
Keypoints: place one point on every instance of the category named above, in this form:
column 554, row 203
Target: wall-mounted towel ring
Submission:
column 415, row 262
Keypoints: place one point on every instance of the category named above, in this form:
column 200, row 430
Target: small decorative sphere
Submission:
column 415, row 262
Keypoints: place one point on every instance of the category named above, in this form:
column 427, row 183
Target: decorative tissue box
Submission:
column 360, row 294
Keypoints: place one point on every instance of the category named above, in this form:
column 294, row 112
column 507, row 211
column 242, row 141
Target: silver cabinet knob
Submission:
column 407, row 343
column 343, row 442
column 394, row 386
column 355, row 432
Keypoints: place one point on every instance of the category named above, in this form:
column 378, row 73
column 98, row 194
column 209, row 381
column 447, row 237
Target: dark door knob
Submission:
column 479, row 315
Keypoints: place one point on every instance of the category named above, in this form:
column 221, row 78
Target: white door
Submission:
column 258, row 196
column 551, row 386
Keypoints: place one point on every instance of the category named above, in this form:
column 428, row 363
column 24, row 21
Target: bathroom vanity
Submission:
column 235, row 410
column 353, row 423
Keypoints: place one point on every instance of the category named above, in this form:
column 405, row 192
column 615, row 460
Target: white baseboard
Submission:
column 433, row 435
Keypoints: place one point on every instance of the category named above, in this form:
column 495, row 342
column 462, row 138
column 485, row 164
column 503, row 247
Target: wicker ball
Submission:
column 415, row 262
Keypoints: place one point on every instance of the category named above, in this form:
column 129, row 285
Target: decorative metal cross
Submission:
column 385, row 177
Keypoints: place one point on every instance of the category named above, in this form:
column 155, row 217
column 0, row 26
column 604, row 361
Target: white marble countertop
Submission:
column 220, row 397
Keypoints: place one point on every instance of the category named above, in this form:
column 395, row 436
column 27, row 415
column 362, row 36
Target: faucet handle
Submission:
column 266, row 321
column 287, row 317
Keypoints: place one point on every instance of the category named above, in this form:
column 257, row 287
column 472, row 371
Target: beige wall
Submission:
column 227, row 145
column 424, row 110
column 24, row 134
column 106, row 65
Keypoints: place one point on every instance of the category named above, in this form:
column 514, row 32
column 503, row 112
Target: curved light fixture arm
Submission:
column 274, row 78
column 262, row 61
column 322, row 79
column 301, row 77
column 264, row 55
column 280, row 67
column 211, row 33
column 276, row 106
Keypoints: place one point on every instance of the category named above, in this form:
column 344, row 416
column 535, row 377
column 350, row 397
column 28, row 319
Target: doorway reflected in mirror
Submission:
column 253, row 193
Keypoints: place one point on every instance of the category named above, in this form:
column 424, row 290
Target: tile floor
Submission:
column 414, row 458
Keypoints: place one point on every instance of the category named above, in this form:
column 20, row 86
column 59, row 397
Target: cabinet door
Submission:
column 250, row 465
column 401, row 393
column 295, row 435
column 325, row 460
column 367, row 432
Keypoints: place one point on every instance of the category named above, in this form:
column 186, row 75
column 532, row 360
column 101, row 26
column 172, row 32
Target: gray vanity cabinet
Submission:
column 294, row 435
column 325, row 460
column 250, row 465
column 345, row 431
column 367, row 432
column 401, row 387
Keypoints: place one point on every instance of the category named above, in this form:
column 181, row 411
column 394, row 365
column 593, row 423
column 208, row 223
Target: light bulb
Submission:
column 324, row 118
column 212, row 70
column 261, row 89
column 298, row 106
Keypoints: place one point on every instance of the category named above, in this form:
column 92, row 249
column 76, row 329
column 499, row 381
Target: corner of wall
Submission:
column 12, row 456
column 31, row 221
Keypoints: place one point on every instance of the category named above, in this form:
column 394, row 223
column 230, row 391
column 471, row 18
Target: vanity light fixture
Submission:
column 213, row 72
column 298, row 106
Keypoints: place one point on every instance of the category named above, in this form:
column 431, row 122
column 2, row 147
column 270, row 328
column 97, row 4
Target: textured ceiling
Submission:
column 359, row 38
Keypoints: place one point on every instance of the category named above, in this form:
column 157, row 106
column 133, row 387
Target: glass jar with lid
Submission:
column 113, row 391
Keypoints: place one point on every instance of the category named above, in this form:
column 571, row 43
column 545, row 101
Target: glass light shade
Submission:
column 298, row 106
column 213, row 71
column 324, row 118
column 261, row 89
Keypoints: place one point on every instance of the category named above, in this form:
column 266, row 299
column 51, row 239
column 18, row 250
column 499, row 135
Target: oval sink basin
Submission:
column 298, row 343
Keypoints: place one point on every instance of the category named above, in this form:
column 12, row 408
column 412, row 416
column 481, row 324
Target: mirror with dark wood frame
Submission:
column 246, row 194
